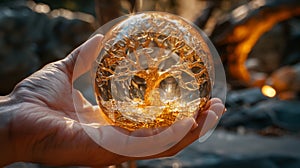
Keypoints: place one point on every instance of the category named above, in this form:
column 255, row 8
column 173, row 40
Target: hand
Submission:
column 40, row 125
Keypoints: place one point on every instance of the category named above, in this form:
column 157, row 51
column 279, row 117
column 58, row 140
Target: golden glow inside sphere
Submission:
column 153, row 69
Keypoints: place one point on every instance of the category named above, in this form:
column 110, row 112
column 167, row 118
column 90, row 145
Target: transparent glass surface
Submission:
column 154, row 73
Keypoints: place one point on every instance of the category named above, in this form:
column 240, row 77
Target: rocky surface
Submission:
column 230, row 150
column 250, row 109
column 29, row 40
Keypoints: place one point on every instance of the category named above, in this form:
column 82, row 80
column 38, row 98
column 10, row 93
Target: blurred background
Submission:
column 258, row 42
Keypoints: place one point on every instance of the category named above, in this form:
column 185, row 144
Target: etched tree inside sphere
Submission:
column 154, row 69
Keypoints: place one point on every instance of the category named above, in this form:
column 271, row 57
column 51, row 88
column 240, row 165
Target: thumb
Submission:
column 81, row 59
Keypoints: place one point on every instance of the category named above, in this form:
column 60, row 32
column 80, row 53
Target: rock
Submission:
column 245, row 97
column 17, row 64
column 265, row 113
column 228, row 150
column 29, row 40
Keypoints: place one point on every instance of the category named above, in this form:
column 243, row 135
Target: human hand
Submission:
column 43, row 127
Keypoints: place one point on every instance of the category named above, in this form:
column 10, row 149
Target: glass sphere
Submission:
column 153, row 69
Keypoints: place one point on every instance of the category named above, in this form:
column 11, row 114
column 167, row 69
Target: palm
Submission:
column 49, row 112
column 51, row 87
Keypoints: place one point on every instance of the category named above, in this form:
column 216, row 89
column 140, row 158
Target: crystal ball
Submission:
column 153, row 69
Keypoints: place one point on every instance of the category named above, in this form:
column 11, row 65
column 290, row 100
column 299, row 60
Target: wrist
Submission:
column 7, row 106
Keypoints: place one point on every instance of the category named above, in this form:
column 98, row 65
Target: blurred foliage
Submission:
column 86, row 6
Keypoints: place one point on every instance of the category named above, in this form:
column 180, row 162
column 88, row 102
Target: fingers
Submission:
column 215, row 105
column 218, row 109
column 215, row 100
column 201, row 129
column 212, row 101
column 207, row 121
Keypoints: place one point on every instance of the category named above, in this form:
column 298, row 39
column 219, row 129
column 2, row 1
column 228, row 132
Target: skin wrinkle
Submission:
column 52, row 135
column 10, row 137
column 5, row 117
column 69, row 63
column 93, row 150
column 69, row 122
column 71, row 129
column 52, row 74
column 43, row 145
column 25, row 95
